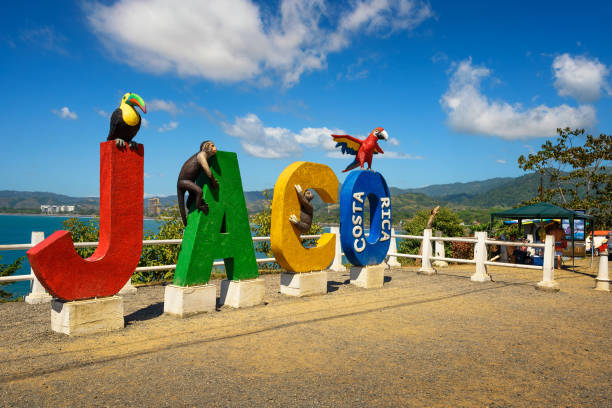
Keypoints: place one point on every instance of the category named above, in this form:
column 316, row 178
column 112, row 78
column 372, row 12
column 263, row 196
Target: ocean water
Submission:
column 17, row 229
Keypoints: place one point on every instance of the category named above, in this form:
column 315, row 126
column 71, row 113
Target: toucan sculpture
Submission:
column 364, row 150
column 125, row 120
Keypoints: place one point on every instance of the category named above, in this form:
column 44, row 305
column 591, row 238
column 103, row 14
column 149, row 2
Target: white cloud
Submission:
column 501, row 161
column 387, row 155
column 260, row 141
column 275, row 142
column 167, row 127
column 102, row 113
column 65, row 113
column 45, row 38
column 470, row 111
column 393, row 141
column 399, row 155
column 144, row 122
column 580, row 78
column 235, row 40
column 161, row 105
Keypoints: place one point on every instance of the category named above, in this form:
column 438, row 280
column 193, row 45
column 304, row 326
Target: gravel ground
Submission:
column 438, row 340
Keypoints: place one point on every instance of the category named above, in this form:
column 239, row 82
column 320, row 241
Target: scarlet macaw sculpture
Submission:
column 363, row 150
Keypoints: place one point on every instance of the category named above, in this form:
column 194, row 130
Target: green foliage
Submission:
column 8, row 270
column 156, row 255
column 83, row 232
column 152, row 255
column 261, row 223
column 462, row 250
column 575, row 166
column 446, row 221
column 260, row 227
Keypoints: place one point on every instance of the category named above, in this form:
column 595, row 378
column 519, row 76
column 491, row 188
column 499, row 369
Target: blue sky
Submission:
column 462, row 88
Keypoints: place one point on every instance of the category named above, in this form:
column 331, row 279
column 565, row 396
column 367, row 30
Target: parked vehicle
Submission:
column 600, row 242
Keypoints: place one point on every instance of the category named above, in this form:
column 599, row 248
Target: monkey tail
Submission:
column 181, row 204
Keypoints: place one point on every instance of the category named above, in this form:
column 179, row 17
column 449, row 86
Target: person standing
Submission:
column 555, row 230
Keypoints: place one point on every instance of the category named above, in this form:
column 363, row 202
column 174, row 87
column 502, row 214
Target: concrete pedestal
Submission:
column 81, row 317
column 35, row 298
column 303, row 284
column 245, row 293
column 547, row 286
column 128, row 288
column 603, row 277
column 370, row 276
column 182, row 301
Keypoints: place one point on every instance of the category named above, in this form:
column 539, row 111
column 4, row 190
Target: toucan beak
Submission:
column 384, row 135
column 135, row 99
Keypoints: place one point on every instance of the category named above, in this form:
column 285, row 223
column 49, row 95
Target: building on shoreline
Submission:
column 154, row 208
column 55, row 209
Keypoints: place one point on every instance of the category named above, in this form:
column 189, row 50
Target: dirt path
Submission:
column 437, row 340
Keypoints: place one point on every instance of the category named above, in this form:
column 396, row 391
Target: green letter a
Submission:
column 223, row 233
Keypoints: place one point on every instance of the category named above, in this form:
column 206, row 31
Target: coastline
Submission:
column 71, row 215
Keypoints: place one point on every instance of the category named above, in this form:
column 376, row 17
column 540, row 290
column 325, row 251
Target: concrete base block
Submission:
column 370, row 276
column 245, row 293
column 548, row 286
column 38, row 298
column 128, row 289
column 427, row 271
column 480, row 277
column 182, row 301
column 303, row 284
column 602, row 285
column 81, row 317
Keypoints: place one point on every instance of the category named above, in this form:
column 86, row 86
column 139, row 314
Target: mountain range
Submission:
column 471, row 200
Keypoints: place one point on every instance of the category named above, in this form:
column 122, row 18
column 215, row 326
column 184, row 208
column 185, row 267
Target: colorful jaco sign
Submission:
column 358, row 248
column 284, row 236
column 58, row 266
column 223, row 233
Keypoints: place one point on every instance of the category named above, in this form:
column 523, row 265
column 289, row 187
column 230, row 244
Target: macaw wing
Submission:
column 348, row 144
column 377, row 149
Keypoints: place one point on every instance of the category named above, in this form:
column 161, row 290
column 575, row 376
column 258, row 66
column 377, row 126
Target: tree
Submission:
column 575, row 166
column 83, row 232
column 8, row 270
column 171, row 227
column 446, row 221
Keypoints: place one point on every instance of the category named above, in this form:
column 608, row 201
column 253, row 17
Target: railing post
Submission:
column 439, row 251
column 426, row 268
column 480, row 256
column 337, row 265
column 603, row 278
column 548, row 270
column 392, row 261
column 38, row 294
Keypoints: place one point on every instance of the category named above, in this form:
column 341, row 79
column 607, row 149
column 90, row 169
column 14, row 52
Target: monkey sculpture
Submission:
column 306, row 210
column 188, row 175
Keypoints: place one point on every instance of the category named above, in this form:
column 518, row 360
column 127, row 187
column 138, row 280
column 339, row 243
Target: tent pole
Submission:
column 571, row 220
column 592, row 241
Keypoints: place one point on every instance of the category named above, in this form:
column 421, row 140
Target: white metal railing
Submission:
column 146, row 242
column 479, row 259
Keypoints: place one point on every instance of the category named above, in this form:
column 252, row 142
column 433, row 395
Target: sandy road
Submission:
column 420, row 341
